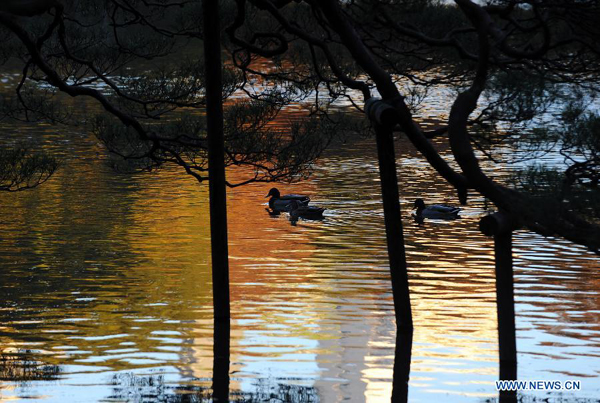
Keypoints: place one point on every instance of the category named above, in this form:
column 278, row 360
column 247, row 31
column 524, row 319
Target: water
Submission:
column 106, row 289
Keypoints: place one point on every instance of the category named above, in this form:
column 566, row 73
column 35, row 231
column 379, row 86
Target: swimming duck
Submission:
column 297, row 210
column 436, row 211
column 282, row 203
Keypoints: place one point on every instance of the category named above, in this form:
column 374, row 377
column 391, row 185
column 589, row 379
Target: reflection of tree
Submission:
column 21, row 169
column 268, row 390
column 74, row 263
column 59, row 246
column 543, row 399
column 154, row 388
column 21, row 366
column 402, row 359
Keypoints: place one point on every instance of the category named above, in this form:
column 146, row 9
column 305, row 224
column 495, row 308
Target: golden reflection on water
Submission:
column 107, row 275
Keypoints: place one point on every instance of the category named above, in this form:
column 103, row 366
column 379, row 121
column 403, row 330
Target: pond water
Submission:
column 106, row 290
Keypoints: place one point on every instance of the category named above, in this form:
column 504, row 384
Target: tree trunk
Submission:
column 506, row 312
column 402, row 360
column 501, row 225
column 393, row 228
column 218, row 199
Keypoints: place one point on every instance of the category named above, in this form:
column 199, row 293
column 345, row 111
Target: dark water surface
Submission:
column 105, row 290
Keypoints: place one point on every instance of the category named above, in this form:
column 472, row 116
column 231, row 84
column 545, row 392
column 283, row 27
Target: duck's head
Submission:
column 419, row 204
column 274, row 192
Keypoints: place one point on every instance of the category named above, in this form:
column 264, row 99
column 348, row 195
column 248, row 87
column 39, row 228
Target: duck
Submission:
column 435, row 211
column 296, row 210
column 282, row 203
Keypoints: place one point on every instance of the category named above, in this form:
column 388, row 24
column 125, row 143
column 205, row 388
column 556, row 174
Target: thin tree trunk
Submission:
column 506, row 312
column 402, row 360
column 393, row 228
column 505, row 306
column 501, row 225
column 221, row 350
column 218, row 199
column 387, row 160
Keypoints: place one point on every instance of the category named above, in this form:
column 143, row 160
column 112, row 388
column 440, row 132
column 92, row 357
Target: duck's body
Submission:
column 282, row 203
column 297, row 210
column 436, row 211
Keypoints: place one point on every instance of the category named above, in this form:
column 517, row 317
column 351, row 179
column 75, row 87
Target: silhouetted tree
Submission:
column 97, row 49
column 218, row 200
column 505, row 65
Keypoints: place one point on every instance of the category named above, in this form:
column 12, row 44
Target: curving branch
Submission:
column 521, row 43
